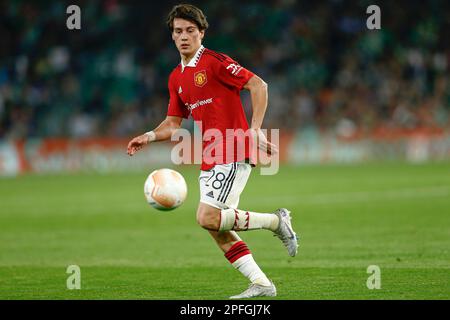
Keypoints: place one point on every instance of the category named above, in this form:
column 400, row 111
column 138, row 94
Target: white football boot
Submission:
column 257, row 290
column 285, row 232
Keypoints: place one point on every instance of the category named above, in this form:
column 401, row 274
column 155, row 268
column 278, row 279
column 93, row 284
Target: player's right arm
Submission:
column 175, row 113
column 163, row 132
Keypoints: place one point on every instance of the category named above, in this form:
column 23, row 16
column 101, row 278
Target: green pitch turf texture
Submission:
column 395, row 216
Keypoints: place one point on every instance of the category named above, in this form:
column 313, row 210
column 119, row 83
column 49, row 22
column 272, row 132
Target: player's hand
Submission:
column 262, row 143
column 136, row 144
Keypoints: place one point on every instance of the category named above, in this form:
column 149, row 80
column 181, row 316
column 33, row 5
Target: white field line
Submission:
column 359, row 196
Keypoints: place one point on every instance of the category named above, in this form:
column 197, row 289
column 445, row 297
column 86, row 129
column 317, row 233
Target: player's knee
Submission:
column 207, row 220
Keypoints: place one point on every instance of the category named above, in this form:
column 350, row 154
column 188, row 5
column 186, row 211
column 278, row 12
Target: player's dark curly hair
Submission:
column 187, row 12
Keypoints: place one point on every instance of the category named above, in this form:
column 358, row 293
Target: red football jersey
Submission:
column 208, row 89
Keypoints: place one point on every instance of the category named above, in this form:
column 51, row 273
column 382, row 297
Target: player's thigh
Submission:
column 221, row 186
column 238, row 184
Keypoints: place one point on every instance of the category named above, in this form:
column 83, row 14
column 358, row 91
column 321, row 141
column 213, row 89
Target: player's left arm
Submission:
column 259, row 96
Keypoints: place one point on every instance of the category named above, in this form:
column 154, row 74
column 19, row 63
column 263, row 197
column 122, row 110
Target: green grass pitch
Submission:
column 395, row 216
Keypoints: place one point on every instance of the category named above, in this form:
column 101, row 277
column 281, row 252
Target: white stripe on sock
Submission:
column 248, row 267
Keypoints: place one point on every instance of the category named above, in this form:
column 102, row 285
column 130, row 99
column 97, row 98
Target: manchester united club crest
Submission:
column 200, row 78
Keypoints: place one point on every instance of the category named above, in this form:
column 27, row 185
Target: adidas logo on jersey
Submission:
column 180, row 90
column 210, row 194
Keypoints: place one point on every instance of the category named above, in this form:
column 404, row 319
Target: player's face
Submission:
column 188, row 38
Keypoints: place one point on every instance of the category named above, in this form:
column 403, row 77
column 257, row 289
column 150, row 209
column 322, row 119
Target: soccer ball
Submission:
column 165, row 189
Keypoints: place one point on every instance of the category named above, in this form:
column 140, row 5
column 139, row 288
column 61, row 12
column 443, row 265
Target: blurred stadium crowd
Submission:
column 324, row 68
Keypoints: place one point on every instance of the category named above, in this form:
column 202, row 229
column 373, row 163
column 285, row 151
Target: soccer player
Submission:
column 206, row 85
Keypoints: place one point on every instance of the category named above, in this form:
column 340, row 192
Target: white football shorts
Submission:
column 221, row 186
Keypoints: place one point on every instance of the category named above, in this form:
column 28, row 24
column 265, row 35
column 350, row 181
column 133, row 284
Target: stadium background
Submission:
column 377, row 101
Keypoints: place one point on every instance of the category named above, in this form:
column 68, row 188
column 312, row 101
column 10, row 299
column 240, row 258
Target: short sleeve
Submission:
column 176, row 107
column 231, row 73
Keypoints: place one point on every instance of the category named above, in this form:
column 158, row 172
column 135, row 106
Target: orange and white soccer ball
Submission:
column 165, row 189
